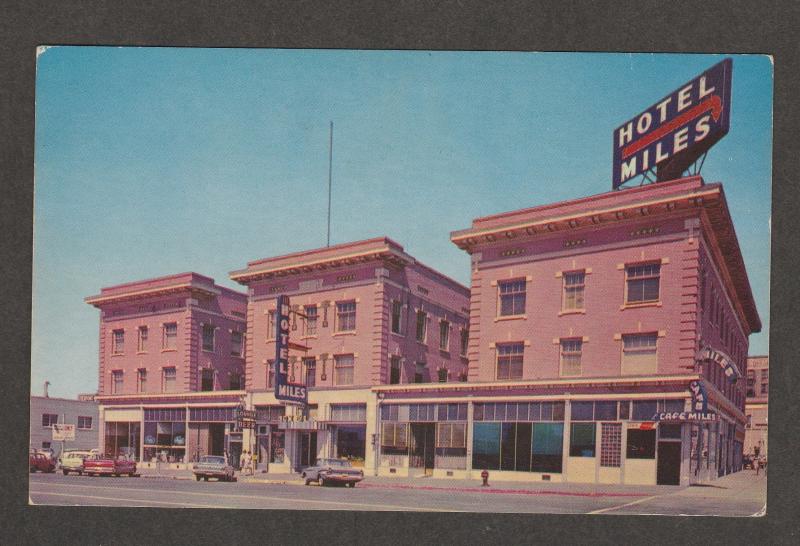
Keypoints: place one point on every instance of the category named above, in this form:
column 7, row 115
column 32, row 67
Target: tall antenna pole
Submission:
column 330, row 170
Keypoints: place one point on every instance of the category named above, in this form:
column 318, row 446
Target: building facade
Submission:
column 366, row 314
column 756, row 406
column 46, row 411
column 171, row 368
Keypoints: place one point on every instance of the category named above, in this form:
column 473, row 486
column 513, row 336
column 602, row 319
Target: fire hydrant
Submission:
column 485, row 478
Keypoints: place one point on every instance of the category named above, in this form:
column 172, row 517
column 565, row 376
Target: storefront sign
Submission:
column 685, row 417
column 245, row 418
column 288, row 392
column 673, row 133
column 63, row 432
column 724, row 361
column 699, row 397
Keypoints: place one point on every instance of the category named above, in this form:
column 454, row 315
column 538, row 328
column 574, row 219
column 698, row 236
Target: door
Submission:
column 423, row 436
column 668, row 471
column 308, row 449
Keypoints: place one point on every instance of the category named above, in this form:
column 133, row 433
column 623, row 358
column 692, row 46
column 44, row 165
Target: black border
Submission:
column 713, row 26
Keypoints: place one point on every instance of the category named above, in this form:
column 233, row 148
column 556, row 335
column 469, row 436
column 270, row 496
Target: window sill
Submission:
column 510, row 317
column 141, row 352
column 208, row 351
column 169, row 350
column 572, row 312
column 309, row 336
column 345, row 333
column 398, row 334
column 640, row 305
column 423, row 343
column 117, row 354
column 444, row 352
column 236, row 356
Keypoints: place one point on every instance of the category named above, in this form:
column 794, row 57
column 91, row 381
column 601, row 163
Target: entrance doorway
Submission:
column 216, row 439
column 423, row 446
column 668, row 469
column 308, row 449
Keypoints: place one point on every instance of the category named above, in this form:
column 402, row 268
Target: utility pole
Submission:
column 330, row 171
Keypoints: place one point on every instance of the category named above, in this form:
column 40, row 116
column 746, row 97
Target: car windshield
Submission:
column 214, row 460
column 337, row 462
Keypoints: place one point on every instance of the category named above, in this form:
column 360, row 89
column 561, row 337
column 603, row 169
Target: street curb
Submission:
column 155, row 476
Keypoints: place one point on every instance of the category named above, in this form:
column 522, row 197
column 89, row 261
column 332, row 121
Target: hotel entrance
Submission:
column 423, row 447
column 307, row 447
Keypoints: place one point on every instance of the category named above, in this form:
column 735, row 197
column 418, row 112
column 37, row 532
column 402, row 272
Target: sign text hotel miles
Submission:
column 674, row 132
column 288, row 392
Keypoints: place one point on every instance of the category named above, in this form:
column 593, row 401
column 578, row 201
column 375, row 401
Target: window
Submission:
column 397, row 316
column 639, row 353
column 420, row 373
column 343, row 369
column 422, row 326
column 236, row 343
column 349, row 413
column 464, row 342
column 142, row 345
column 84, row 422
column 444, row 335
column 116, row 382
column 170, row 336
column 522, row 447
column 641, row 444
column 594, row 411
column 394, row 370
column 118, row 342
column 394, row 435
column 573, row 290
column 311, row 371
column 271, row 324
column 451, row 435
column 610, row 444
column 509, row 360
column 141, row 380
column 345, row 316
column 571, row 356
column 582, row 440
column 270, row 374
column 235, row 381
column 512, row 297
column 208, row 337
column 206, row 379
column 751, row 382
column 442, row 373
column 642, row 283
column 169, row 379
column 46, row 445
column 764, row 381
column 311, row 320
column 49, row 419
column 643, row 410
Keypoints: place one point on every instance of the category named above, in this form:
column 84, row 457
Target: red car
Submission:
column 97, row 465
column 40, row 462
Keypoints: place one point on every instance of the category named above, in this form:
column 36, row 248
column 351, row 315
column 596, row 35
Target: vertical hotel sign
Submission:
column 288, row 392
column 674, row 132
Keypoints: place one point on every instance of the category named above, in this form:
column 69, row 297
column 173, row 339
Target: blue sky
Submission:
column 153, row 161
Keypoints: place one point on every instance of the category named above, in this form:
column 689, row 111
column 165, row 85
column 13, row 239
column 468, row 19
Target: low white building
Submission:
column 46, row 411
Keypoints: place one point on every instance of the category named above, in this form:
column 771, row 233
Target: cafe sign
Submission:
column 685, row 417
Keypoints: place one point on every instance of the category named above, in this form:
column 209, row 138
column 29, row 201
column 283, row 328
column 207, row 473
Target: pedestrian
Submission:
column 252, row 465
column 247, row 462
column 242, row 457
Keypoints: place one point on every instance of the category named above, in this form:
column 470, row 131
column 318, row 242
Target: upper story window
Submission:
column 235, row 382
column 118, row 342
column 571, row 350
column 236, row 343
column 509, row 360
column 343, row 366
column 444, row 335
column 170, row 336
column 142, row 345
column 208, row 337
column 345, row 316
column 764, row 381
column 639, row 355
column 464, row 342
column 206, row 379
column 512, row 297
column 422, row 326
column 573, row 290
column 394, row 370
column 169, row 379
column 311, row 319
column 397, row 316
column 442, row 373
column 642, row 283
column 421, row 372
column 310, row 364
column 270, row 373
column 271, row 324
column 116, row 382
column 49, row 419
column 141, row 380
column 84, row 422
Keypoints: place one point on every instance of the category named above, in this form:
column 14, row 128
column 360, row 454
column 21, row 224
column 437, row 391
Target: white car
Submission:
column 72, row 461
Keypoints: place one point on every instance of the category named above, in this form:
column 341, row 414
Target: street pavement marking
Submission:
column 252, row 497
column 603, row 510
column 48, row 494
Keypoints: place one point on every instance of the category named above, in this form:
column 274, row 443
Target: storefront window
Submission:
column 643, row 410
column 277, row 446
column 351, row 442
column 122, row 439
column 165, row 441
column 486, row 446
column 548, row 440
column 641, row 444
column 582, row 440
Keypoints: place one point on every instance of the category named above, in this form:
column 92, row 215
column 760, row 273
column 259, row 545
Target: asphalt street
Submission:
column 742, row 497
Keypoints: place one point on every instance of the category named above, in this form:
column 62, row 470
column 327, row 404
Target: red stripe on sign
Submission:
column 713, row 103
column 649, row 425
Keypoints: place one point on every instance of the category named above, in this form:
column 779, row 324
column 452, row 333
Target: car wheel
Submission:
column 205, row 478
column 321, row 481
column 80, row 472
column 65, row 472
column 116, row 474
column 198, row 478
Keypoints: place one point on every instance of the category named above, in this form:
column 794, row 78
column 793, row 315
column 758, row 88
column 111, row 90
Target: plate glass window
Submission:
column 571, row 350
column 639, row 355
column 420, row 373
column 343, row 369
column 582, row 440
column 643, row 283
column 509, row 360
column 142, row 345
column 345, row 316
column 170, row 335
column 208, row 337
column 512, row 297
column 573, row 290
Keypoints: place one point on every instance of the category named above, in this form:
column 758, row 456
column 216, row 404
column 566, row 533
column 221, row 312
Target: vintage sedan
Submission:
column 40, row 462
column 213, row 466
column 72, row 461
column 332, row 472
column 99, row 465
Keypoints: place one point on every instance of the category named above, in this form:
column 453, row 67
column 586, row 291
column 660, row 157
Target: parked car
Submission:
column 747, row 462
column 108, row 464
column 213, row 466
column 72, row 461
column 333, row 471
column 40, row 462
